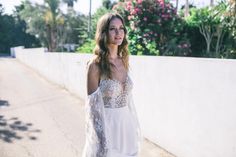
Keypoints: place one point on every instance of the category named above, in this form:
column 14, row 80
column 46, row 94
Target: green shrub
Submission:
column 87, row 47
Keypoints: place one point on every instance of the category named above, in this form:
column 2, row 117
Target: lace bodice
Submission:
column 114, row 93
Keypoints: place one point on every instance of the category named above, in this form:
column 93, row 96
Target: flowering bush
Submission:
column 151, row 24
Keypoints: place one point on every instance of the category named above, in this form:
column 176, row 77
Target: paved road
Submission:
column 41, row 119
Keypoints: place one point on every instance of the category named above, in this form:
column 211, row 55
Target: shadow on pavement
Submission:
column 5, row 55
column 3, row 103
column 10, row 128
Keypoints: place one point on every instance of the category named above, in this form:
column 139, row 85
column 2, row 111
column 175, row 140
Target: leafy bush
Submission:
column 87, row 47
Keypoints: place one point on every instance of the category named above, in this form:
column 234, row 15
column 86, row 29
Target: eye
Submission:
column 112, row 29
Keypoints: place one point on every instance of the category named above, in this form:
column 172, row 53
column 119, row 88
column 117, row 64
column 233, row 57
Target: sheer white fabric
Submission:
column 112, row 128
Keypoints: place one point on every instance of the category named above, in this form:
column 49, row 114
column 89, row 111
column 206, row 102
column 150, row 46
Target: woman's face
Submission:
column 116, row 32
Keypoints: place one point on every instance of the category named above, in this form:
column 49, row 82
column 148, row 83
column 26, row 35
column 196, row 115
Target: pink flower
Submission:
column 130, row 17
column 145, row 18
column 137, row 10
column 162, row 2
column 185, row 45
column 133, row 12
column 128, row 7
column 164, row 15
column 129, row 3
column 145, row 35
column 139, row 1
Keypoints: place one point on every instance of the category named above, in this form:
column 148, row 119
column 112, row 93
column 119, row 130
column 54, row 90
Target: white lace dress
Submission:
column 112, row 128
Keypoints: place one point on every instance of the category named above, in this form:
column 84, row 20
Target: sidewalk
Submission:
column 41, row 119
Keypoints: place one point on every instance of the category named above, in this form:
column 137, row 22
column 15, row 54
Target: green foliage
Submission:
column 13, row 32
column 41, row 22
column 74, row 29
column 178, row 47
column 96, row 16
column 196, row 39
column 229, row 21
column 212, row 24
column 205, row 21
column 87, row 47
column 152, row 48
column 107, row 4
column 53, row 6
column 230, row 17
column 52, row 27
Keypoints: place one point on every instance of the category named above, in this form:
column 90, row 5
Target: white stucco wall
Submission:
column 65, row 69
column 185, row 105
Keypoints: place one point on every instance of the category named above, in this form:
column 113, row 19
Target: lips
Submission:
column 118, row 38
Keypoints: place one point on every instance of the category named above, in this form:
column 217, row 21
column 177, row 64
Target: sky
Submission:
column 83, row 5
column 80, row 6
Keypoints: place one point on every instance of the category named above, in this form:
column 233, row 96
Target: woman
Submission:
column 112, row 128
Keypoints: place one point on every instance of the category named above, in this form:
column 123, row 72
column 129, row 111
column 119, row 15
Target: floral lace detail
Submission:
column 114, row 93
column 95, row 128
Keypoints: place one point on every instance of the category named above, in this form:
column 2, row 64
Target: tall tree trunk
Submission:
column 220, row 35
column 53, row 8
column 177, row 4
column 89, row 22
column 49, row 46
column 186, row 8
column 54, row 39
column 54, row 32
column 211, row 3
column 206, row 31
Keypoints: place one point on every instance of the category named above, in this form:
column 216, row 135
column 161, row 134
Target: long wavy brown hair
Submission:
column 101, row 50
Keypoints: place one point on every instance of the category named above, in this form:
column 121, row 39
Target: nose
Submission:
column 117, row 31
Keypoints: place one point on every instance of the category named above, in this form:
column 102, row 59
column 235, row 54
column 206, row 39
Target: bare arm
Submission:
column 92, row 77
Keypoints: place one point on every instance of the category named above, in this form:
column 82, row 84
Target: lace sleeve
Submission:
column 96, row 142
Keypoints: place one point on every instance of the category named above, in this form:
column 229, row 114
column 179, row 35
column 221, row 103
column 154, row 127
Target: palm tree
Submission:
column 43, row 21
column 51, row 23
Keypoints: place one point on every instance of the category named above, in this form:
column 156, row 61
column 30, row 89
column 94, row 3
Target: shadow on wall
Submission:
column 10, row 128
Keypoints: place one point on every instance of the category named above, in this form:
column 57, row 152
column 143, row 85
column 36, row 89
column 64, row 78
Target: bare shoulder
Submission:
column 92, row 66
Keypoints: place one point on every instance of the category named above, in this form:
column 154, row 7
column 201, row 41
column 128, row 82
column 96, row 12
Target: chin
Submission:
column 118, row 43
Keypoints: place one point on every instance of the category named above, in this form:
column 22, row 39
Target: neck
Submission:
column 113, row 51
